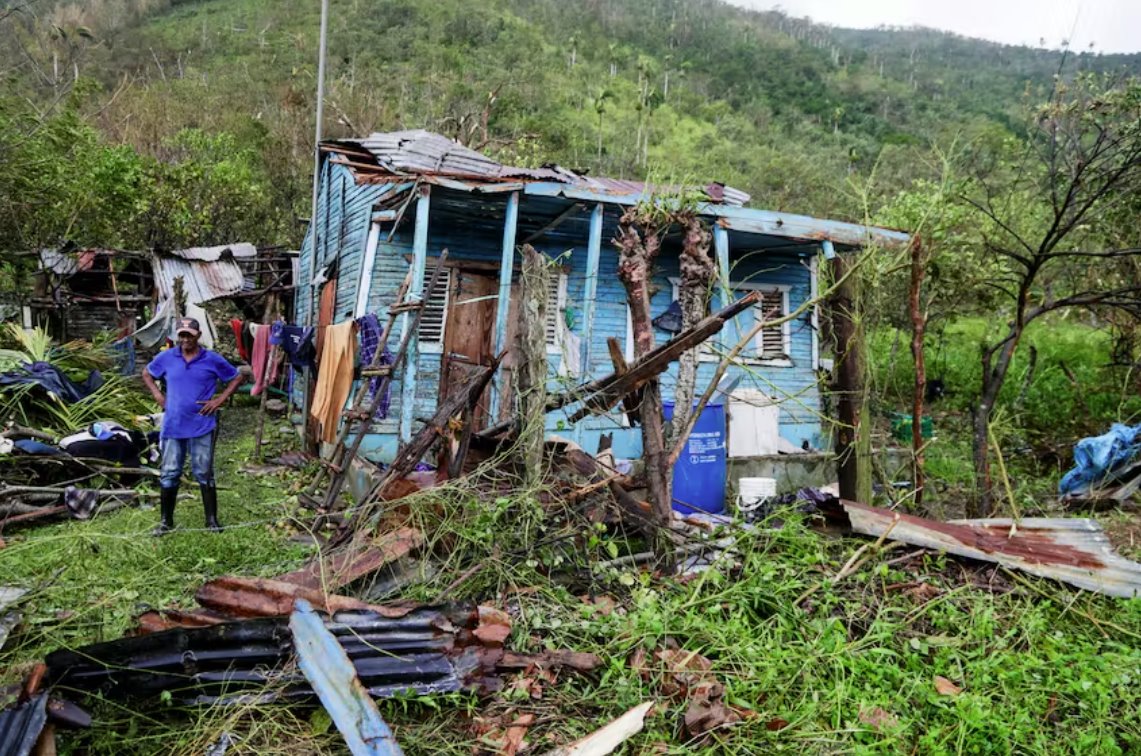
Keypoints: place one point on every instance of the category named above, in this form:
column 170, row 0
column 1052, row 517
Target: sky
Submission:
column 1111, row 25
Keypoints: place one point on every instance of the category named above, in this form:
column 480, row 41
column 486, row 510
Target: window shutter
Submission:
column 772, row 337
column 435, row 307
column 554, row 307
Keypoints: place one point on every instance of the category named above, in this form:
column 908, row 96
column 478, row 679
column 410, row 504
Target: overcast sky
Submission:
column 1112, row 25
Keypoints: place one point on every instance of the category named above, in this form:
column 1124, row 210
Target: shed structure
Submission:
column 389, row 203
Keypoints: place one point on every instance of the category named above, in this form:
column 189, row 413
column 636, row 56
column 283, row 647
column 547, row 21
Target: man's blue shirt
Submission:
column 188, row 386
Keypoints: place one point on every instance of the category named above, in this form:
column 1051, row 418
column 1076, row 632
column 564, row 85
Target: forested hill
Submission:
column 789, row 110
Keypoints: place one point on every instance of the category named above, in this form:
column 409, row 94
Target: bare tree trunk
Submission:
column 638, row 241
column 918, row 330
column 697, row 271
column 994, row 376
column 531, row 374
column 853, row 468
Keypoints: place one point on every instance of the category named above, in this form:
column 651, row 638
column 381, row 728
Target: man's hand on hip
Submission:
column 212, row 406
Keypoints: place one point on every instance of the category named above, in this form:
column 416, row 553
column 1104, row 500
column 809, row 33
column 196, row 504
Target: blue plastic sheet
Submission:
column 1098, row 459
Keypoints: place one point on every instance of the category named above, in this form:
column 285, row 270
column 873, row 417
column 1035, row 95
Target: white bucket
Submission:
column 752, row 491
column 755, row 488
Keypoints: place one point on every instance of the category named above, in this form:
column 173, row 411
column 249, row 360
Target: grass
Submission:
column 1043, row 669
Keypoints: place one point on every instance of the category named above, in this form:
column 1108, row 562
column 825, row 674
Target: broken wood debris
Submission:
column 327, row 668
column 607, row 739
column 602, row 394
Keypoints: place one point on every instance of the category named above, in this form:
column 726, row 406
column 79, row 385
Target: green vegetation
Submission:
column 166, row 123
column 133, row 93
column 853, row 668
column 30, row 405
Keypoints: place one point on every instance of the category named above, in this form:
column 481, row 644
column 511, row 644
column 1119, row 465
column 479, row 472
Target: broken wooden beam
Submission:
column 327, row 668
column 605, row 392
column 333, row 571
column 409, row 456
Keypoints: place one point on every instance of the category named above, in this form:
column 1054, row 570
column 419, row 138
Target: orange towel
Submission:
column 334, row 378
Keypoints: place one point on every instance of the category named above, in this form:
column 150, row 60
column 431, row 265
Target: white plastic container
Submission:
column 752, row 491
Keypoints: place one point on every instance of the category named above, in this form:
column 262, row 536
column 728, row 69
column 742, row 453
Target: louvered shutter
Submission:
column 770, row 342
column 435, row 308
column 554, row 307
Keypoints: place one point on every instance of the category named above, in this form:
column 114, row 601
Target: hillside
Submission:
column 788, row 110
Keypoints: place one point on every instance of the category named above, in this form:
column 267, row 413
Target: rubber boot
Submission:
column 210, row 505
column 168, row 498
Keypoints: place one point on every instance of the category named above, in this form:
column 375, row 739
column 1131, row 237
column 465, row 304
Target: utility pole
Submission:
column 320, row 116
column 311, row 315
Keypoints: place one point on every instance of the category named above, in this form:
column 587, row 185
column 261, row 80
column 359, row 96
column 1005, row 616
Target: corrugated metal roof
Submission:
column 1072, row 550
column 419, row 151
column 202, row 281
column 211, row 254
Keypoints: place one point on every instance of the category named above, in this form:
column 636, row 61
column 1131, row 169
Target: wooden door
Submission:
column 468, row 335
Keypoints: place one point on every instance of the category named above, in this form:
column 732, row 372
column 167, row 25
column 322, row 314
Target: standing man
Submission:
column 192, row 375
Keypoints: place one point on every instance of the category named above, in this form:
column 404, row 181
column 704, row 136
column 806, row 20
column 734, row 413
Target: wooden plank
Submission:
column 631, row 403
column 605, row 392
column 412, row 452
column 333, row 571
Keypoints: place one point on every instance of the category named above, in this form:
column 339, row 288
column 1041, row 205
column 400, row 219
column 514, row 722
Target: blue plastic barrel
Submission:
column 699, row 475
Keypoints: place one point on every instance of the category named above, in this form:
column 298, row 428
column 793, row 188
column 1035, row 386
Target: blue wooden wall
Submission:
column 348, row 221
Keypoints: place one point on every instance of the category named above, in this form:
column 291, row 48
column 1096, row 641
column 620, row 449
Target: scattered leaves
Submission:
column 945, row 687
column 878, row 718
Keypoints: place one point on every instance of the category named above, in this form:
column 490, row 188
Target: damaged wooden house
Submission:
column 389, row 204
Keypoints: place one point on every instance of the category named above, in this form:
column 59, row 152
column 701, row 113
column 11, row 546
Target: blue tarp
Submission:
column 53, row 379
column 1098, row 459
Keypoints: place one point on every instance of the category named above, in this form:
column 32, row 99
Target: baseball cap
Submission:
column 188, row 325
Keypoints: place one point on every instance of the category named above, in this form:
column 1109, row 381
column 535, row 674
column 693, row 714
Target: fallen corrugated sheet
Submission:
column 264, row 597
column 327, row 668
column 1072, row 550
column 428, row 650
column 21, row 725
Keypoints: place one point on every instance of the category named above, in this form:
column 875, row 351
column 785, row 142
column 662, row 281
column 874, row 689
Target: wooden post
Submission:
column 503, row 298
column 261, row 406
column 918, row 330
column 531, row 372
column 415, row 291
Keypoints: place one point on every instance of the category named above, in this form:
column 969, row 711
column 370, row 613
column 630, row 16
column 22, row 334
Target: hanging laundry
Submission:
column 242, row 337
column 264, row 371
column 372, row 336
column 334, row 378
column 296, row 341
column 570, row 349
column 125, row 350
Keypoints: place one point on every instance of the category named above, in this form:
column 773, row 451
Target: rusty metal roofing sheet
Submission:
column 202, row 281
column 1072, row 550
column 212, row 254
column 421, row 151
